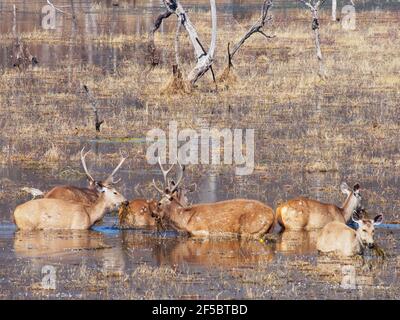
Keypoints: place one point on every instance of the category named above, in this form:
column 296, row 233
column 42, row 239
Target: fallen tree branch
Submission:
column 21, row 55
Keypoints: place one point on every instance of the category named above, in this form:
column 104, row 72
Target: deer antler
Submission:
column 180, row 177
column 165, row 173
column 110, row 178
column 83, row 156
column 157, row 188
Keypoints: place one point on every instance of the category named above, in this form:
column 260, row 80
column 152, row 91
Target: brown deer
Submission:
column 88, row 195
column 238, row 217
column 138, row 213
column 307, row 214
column 63, row 214
column 338, row 238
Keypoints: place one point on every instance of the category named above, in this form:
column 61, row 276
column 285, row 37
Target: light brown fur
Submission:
column 138, row 213
column 87, row 196
column 238, row 217
column 61, row 214
column 342, row 240
column 307, row 214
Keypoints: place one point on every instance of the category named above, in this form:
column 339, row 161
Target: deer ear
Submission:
column 378, row 219
column 100, row 187
column 344, row 188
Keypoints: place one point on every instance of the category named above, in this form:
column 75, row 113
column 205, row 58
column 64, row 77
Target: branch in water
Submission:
column 93, row 104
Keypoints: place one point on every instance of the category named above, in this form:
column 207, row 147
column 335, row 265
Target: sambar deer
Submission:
column 338, row 238
column 42, row 214
column 138, row 213
column 307, row 214
column 239, row 217
column 88, row 195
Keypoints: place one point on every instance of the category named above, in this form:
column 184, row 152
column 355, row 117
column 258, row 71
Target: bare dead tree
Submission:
column 93, row 103
column 159, row 20
column 204, row 61
column 21, row 55
column 56, row 8
column 255, row 28
column 151, row 47
column 174, row 6
column 178, row 29
column 314, row 6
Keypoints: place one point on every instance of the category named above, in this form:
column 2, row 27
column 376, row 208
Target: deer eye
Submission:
column 115, row 192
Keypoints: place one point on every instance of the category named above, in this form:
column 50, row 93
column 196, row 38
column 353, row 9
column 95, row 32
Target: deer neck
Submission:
column 349, row 206
column 358, row 238
column 97, row 210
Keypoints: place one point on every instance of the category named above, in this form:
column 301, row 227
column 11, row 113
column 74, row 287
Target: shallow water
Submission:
column 95, row 263
column 107, row 254
column 128, row 18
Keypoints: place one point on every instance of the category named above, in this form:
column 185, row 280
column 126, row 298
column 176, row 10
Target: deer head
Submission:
column 172, row 193
column 348, row 191
column 366, row 229
column 110, row 195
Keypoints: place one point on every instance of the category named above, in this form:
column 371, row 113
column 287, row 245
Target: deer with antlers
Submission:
column 40, row 214
column 139, row 212
column 68, row 207
column 238, row 217
column 88, row 195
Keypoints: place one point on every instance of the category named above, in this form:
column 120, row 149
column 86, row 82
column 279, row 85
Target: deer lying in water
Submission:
column 68, row 207
column 308, row 214
column 238, row 217
column 88, row 195
column 139, row 212
column 63, row 214
column 342, row 240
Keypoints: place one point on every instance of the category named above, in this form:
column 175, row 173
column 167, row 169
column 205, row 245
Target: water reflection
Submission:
column 298, row 242
column 217, row 253
column 50, row 244
column 111, row 18
column 120, row 253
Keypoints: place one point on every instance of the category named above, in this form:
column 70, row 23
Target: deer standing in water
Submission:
column 342, row 240
column 307, row 214
column 239, row 217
